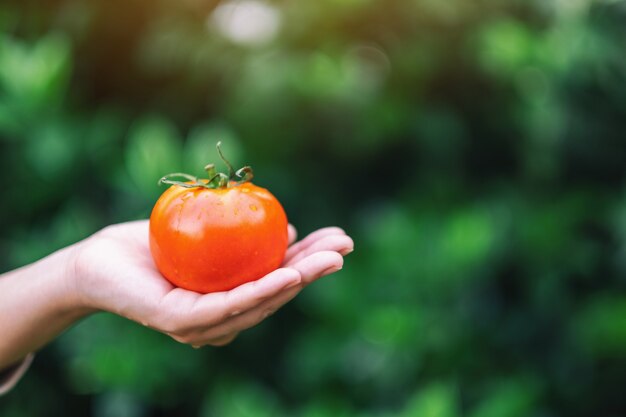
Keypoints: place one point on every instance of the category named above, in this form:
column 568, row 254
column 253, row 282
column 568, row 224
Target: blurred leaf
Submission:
column 35, row 76
column 242, row 399
column 515, row 398
column 325, row 408
column 118, row 404
column 107, row 353
column 200, row 148
column 74, row 221
column 154, row 149
column 51, row 150
column 435, row 400
column 506, row 45
column 601, row 326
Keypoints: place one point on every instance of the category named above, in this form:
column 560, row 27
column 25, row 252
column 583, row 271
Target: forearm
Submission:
column 37, row 303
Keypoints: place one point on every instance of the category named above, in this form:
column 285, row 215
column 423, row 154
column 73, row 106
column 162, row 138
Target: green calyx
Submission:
column 216, row 180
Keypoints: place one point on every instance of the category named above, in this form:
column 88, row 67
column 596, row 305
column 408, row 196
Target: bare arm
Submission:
column 36, row 304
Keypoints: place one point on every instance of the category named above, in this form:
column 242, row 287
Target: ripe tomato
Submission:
column 214, row 235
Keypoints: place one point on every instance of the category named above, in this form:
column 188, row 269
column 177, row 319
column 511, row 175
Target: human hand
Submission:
column 114, row 272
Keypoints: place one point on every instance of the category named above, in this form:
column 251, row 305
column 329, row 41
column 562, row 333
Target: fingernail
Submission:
column 331, row 270
column 292, row 284
column 347, row 251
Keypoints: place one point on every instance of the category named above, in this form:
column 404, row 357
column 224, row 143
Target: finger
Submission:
column 318, row 265
column 250, row 318
column 337, row 243
column 222, row 341
column 310, row 239
column 311, row 268
column 187, row 309
column 219, row 341
column 292, row 233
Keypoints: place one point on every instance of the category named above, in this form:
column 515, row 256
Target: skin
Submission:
column 215, row 240
column 113, row 271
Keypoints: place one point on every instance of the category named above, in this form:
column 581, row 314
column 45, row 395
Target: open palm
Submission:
column 116, row 273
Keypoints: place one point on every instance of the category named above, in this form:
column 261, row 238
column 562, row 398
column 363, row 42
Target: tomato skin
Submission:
column 209, row 240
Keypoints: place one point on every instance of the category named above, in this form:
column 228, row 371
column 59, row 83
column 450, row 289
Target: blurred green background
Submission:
column 476, row 151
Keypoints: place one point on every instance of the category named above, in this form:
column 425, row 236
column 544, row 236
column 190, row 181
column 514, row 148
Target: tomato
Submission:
column 214, row 235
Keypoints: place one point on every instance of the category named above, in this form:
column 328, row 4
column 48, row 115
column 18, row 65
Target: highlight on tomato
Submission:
column 214, row 234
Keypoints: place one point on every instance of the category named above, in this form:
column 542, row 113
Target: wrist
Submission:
column 71, row 300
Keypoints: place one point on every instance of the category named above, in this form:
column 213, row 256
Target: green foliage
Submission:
column 153, row 146
column 474, row 149
column 437, row 400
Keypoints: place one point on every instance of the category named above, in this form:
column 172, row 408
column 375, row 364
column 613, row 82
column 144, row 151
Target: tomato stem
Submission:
column 216, row 180
column 231, row 170
column 210, row 170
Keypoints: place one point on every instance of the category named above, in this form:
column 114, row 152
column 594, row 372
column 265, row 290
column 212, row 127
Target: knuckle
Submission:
column 222, row 318
column 171, row 324
column 230, row 304
column 227, row 329
column 223, row 315
column 251, row 298
column 259, row 298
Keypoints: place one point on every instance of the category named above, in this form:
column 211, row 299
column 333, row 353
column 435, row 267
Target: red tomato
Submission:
column 215, row 239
